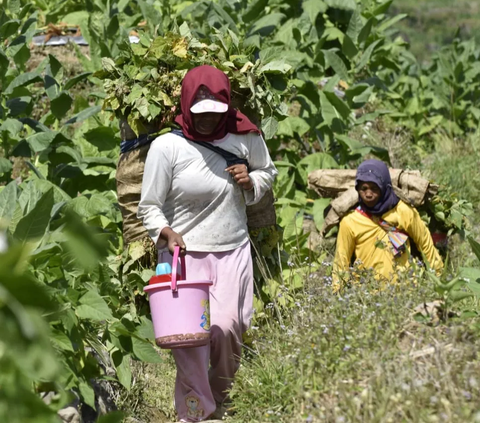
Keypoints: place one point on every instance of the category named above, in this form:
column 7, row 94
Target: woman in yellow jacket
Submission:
column 378, row 230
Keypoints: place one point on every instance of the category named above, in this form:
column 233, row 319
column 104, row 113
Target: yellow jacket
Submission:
column 361, row 235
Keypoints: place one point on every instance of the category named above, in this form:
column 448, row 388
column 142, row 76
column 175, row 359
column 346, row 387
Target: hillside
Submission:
column 433, row 23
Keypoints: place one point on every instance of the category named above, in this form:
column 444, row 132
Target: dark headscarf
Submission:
column 218, row 84
column 377, row 172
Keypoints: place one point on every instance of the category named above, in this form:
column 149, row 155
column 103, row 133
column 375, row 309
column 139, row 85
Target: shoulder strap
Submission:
column 231, row 159
column 398, row 239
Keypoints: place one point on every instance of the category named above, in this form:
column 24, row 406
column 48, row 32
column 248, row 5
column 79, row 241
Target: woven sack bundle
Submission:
column 339, row 184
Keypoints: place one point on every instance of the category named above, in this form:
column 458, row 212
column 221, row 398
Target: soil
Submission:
column 65, row 54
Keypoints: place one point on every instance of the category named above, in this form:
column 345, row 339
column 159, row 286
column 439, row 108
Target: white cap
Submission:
column 206, row 102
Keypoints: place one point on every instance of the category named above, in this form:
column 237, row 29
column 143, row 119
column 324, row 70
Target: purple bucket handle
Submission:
column 176, row 255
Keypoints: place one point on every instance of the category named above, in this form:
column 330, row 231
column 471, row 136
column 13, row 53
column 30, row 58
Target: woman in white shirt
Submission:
column 192, row 199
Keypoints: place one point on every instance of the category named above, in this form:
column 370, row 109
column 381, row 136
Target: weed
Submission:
column 359, row 357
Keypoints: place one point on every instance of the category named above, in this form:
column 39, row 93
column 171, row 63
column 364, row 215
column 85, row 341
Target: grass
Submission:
column 367, row 355
column 361, row 357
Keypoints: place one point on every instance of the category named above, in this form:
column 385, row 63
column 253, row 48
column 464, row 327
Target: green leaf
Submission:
column 390, row 22
column 41, row 141
column 226, row 19
column 19, row 51
column 357, row 148
column 291, row 125
column 5, row 165
column 19, row 105
column 145, row 329
column 456, row 296
column 267, row 24
column 93, row 307
column 348, row 47
column 337, row 64
column 87, row 393
column 4, row 62
column 383, row 8
column 12, row 126
column 144, row 351
column 17, row 215
column 14, row 6
column 471, row 274
column 23, row 80
column 29, row 27
column 366, row 30
column 475, row 246
column 84, row 114
column 342, row 4
column 142, row 106
column 367, row 54
column 34, row 224
column 61, row 340
column 275, row 66
column 122, row 365
column 254, row 10
column 319, row 206
column 314, row 8
column 113, row 27
column 355, row 25
column 341, row 107
column 55, row 67
column 8, row 201
column 9, row 28
column 103, row 138
column 269, row 127
column 29, row 197
column 363, row 97
column 51, row 86
column 329, row 113
column 61, row 104
column 76, row 79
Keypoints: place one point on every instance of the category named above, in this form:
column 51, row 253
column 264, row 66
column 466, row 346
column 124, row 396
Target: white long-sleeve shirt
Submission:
column 185, row 187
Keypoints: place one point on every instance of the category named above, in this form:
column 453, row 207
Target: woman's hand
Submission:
column 240, row 174
column 173, row 239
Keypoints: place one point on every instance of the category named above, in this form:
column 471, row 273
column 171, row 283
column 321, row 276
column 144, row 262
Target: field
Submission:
column 330, row 84
column 433, row 23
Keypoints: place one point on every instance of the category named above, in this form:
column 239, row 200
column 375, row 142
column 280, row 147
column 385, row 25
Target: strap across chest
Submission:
column 398, row 239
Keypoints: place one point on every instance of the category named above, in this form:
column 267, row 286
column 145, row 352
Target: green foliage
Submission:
column 143, row 83
column 446, row 214
column 70, row 296
column 441, row 97
column 68, row 311
column 330, row 345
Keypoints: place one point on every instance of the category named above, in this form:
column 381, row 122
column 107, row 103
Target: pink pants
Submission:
column 204, row 374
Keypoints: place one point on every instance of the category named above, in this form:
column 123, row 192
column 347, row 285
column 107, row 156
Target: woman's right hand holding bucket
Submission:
column 173, row 239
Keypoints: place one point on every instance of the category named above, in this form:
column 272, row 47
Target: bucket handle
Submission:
column 176, row 255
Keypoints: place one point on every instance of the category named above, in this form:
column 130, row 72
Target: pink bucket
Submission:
column 180, row 309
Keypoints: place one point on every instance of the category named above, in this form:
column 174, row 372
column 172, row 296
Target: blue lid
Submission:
column 163, row 269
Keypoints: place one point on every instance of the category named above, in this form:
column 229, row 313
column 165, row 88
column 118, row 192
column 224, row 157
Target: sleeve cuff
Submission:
column 251, row 196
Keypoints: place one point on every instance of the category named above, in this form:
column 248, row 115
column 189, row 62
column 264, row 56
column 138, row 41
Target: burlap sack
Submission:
column 340, row 185
column 330, row 183
column 129, row 187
